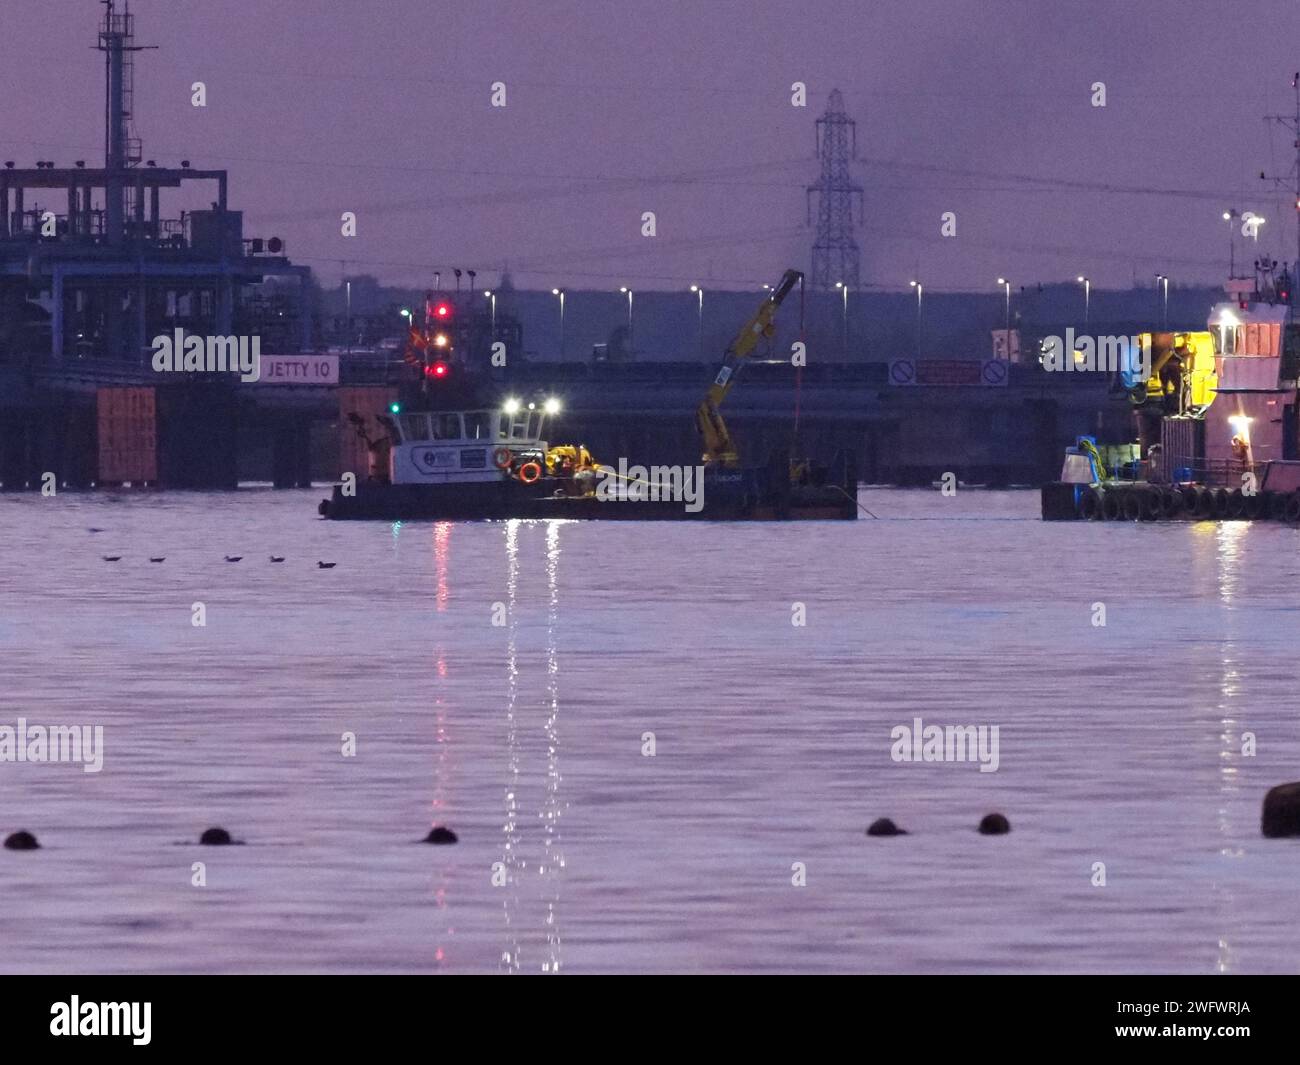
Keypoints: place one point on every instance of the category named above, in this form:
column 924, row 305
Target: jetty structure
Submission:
column 94, row 263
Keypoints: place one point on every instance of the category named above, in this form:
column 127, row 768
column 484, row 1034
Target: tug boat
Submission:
column 461, row 464
column 1215, row 419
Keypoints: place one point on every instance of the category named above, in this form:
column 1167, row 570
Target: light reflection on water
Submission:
column 1120, row 744
column 1230, row 539
column 512, row 864
column 553, row 858
column 442, row 785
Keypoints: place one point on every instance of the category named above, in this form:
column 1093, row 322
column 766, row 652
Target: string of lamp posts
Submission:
column 697, row 291
column 914, row 285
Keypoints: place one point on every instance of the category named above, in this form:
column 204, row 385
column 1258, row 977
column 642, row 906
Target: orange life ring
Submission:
column 502, row 457
column 529, row 472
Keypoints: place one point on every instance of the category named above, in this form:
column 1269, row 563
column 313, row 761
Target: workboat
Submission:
column 497, row 463
column 1215, row 421
column 497, row 460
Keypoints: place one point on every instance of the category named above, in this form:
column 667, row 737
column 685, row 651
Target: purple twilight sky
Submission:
column 683, row 108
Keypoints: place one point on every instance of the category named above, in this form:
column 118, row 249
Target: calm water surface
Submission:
column 1119, row 744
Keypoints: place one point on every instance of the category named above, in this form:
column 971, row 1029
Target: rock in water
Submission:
column 994, row 825
column 1281, row 816
column 215, row 837
column 21, row 841
column 883, row 826
column 440, row 834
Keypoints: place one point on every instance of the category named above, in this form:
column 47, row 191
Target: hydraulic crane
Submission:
column 719, row 448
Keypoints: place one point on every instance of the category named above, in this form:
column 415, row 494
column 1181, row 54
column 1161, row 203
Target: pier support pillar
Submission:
column 197, row 436
column 13, row 451
column 292, row 453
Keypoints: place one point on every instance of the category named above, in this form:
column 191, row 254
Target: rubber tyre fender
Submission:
column 1132, row 504
column 1149, row 507
column 1092, row 504
column 1292, row 512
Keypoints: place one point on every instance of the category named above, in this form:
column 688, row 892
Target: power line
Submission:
column 1021, row 183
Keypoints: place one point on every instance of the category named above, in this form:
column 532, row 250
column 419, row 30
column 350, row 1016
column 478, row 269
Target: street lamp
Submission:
column 492, row 299
column 1228, row 216
column 349, row 287
column 560, row 292
column 631, row 345
column 1087, row 297
column 844, row 316
column 1162, row 279
column 700, row 294
column 1007, row 285
column 918, row 286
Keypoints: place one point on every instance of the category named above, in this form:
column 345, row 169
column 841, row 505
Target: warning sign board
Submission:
column 940, row 373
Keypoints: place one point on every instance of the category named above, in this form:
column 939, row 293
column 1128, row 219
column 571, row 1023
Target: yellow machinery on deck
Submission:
column 1183, row 378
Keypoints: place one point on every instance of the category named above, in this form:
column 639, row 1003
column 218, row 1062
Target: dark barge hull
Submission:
column 739, row 495
column 1140, row 501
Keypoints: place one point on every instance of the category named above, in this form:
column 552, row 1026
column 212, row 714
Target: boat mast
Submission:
column 1292, row 122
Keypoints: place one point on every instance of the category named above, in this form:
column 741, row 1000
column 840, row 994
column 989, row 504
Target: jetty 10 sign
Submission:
column 978, row 372
column 299, row 370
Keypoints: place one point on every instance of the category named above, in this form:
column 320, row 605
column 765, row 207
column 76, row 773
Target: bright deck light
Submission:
column 511, row 406
column 552, row 406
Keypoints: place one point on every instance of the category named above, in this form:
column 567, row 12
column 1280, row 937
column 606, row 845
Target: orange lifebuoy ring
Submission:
column 529, row 472
column 502, row 457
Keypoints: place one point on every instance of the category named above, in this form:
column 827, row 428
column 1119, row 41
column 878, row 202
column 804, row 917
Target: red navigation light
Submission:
column 438, row 369
column 442, row 311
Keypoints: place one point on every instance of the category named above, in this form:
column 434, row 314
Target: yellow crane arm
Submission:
column 718, row 445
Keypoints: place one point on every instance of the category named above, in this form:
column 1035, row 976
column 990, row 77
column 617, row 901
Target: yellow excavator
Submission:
column 719, row 448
